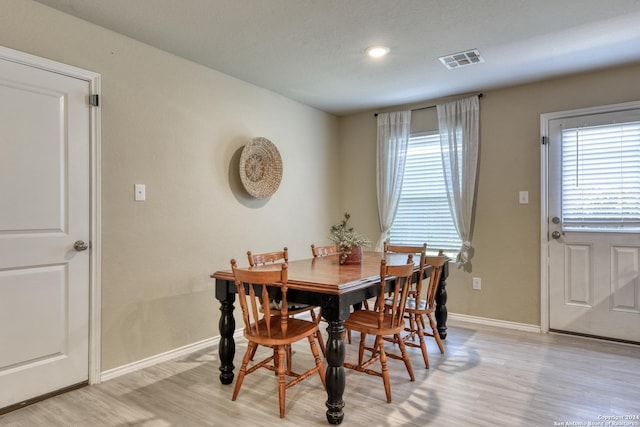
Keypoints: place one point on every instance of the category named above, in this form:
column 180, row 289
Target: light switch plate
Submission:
column 139, row 192
column 524, row 197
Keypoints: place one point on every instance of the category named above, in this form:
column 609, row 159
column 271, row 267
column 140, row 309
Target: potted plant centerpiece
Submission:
column 348, row 241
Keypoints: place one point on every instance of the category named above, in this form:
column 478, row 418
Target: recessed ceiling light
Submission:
column 377, row 51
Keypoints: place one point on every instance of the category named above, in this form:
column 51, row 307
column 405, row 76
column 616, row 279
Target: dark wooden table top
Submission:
column 326, row 275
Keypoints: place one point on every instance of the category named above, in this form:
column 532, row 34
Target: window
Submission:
column 601, row 177
column 423, row 210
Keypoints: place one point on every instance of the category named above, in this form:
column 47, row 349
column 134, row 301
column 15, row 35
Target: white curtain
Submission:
column 459, row 123
column 393, row 138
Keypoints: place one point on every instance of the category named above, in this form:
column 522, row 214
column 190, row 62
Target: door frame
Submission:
column 544, row 194
column 95, row 189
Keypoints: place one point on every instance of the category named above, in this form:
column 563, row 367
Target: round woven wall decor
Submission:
column 260, row 168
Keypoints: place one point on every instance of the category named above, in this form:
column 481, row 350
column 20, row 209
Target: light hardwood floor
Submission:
column 488, row 377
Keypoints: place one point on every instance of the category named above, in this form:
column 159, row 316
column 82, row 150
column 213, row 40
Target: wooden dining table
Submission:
column 322, row 282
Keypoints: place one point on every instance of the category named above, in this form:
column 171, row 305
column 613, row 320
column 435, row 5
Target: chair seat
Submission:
column 297, row 329
column 367, row 321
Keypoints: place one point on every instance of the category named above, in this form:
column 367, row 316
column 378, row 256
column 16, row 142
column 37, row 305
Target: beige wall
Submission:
column 177, row 127
column 507, row 234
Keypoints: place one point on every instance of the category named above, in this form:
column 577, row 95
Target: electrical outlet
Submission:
column 477, row 283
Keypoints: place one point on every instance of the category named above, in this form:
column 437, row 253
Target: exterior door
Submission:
column 44, row 211
column 593, row 222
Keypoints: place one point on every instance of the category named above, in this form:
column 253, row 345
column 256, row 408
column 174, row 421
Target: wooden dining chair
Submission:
column 384, row 321
column 418, row 306
column 296, row 308
column 276, row 330
column 423, row 306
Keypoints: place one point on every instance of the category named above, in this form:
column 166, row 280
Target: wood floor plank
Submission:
column 487, row 377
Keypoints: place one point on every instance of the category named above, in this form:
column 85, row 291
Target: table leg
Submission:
column 335, row 371
column 441, row 308
column 227, row 347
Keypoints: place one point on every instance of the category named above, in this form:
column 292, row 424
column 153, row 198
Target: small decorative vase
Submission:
column 354, row 257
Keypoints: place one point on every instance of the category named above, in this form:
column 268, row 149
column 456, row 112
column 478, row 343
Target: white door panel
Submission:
column 578, row 278
column 593, row 275
column 44, row 194
column 44, row 185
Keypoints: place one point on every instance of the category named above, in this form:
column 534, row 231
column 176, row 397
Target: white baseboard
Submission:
column 162, row 357
column 494, row 322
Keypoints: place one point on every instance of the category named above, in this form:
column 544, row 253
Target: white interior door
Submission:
column 593, row 223
column 45, row 202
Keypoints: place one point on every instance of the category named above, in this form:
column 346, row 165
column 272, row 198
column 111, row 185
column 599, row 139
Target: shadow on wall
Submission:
column 235, row 184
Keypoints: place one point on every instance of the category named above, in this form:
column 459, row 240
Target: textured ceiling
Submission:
column 312, row 51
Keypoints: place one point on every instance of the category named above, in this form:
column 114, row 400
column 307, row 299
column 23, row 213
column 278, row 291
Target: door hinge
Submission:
column 94, row 100
column 545, row 140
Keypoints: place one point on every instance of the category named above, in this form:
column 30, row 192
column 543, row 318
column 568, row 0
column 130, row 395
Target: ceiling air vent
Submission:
column 462, row 59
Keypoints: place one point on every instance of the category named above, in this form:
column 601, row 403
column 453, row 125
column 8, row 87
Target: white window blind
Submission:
column 423, row 214
column 601, row 177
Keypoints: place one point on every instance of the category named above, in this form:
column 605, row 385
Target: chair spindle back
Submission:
column 401, row 276
column 417, row 250
column 257, row 282
column 268, row 257
column 317, row 251
column 437, row 262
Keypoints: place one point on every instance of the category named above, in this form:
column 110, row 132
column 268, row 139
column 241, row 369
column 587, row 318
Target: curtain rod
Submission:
column 480, row 95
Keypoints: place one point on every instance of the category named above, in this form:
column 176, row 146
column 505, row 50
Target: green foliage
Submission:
column 345, row 237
